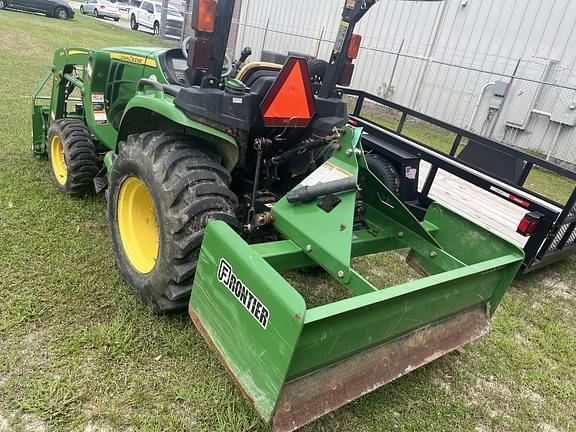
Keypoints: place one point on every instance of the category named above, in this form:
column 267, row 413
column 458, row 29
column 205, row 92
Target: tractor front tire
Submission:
column 164, row 189
column 72, row 157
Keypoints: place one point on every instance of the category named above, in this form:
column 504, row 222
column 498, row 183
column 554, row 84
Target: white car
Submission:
column 149, row 15
column 100, row 8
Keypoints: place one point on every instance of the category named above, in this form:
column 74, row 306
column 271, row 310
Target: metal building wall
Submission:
column 450, row 59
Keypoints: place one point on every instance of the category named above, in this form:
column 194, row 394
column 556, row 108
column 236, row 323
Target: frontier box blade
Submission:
column 296, row 363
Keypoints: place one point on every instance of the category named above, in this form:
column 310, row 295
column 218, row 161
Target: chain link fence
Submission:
column 532, row 109
column 527, row 101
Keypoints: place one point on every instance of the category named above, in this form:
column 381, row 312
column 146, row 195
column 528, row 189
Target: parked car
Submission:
column 149, row 14
column 53, row 8
column 123, row 6
column 100, row 8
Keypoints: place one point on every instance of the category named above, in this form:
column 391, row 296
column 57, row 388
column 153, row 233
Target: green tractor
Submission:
column 219, row 176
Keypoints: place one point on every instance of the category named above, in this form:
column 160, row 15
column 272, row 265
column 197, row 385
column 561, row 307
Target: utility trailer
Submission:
column 482, row 179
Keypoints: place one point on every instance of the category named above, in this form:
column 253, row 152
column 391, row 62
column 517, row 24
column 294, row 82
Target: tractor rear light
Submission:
column 201, row 53
column 529, row 223
column 290, row 100
column 346, row 75
column 204, row 16
column 354, row 46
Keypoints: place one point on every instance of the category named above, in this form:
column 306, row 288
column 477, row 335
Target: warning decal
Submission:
column 100, row 117
column 341, row 37
column 99, row 108
column 98, row 98
column 326, row 173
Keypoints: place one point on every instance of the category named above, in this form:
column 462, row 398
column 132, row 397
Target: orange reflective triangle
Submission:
column 290, row 101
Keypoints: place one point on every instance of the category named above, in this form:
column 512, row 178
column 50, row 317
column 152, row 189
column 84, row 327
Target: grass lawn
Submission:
column 79, row 352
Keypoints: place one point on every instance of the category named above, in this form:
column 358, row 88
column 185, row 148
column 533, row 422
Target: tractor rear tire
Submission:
column 164, row 189
column 72, row 157
column 385, row 171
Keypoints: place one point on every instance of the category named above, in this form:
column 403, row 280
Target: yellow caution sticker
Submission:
column 76, row 52
column 341, row 37
column 129, row 58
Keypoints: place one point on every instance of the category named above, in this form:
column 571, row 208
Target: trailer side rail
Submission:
column 556, row 236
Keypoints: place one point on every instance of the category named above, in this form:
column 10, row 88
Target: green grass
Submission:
column 77, row 350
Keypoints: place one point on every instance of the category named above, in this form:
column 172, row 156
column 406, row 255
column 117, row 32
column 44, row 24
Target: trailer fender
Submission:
column 148, row 112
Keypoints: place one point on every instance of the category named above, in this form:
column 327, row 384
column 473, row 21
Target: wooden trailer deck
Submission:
column 486, row 209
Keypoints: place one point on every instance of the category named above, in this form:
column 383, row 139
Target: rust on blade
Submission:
column 312, row 396
column 198, row 323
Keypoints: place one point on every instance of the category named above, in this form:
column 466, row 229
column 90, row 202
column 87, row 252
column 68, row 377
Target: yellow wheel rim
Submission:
column 58, row 160
column 138, row 225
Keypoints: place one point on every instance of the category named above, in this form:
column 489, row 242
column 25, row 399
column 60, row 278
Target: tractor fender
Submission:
column 151, row 112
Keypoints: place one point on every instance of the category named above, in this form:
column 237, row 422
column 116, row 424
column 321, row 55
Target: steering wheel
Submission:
column 226, row 67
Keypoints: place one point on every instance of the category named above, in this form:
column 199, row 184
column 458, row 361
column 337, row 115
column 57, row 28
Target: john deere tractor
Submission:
column 220, row 175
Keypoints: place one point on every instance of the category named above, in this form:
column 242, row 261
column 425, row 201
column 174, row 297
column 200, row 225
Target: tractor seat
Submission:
column 250, row 73
column 255, row 77
column 260, row 85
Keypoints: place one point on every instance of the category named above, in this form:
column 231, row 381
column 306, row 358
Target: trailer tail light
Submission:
column 290, row 100
column 204, row 16
column 346, row 75
column 354, row 46
column 529, row 223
